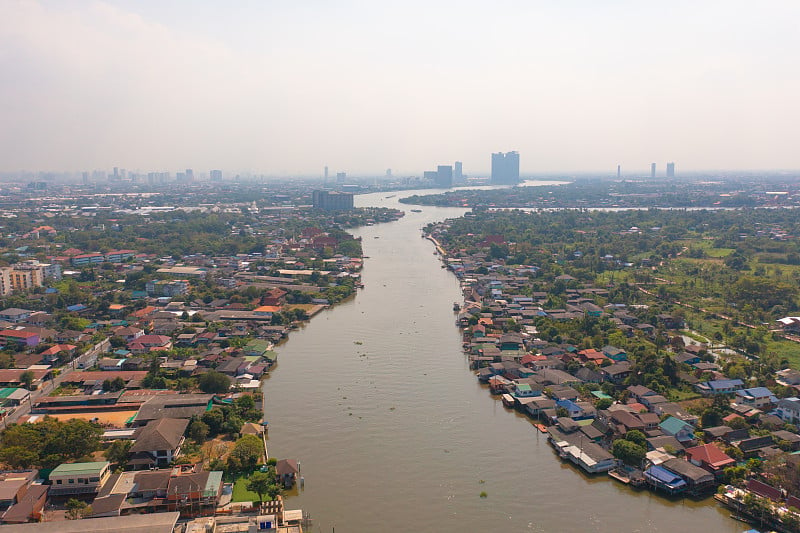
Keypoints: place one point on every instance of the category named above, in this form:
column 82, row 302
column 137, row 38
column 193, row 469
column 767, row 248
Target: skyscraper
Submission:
column 652, row 170
column 189, row 174
column 458, row 176
column 326, row 173
column 505, row 168
column 670, row 170
column 444, row 176
column 216, row 175
column 332, row 201
column 619, row 171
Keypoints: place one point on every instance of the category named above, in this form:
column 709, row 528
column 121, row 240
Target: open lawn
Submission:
column 240, row 492
column 785, row 349
column 707, row 246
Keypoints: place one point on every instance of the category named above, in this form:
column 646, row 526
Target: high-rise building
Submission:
column 340, row 177
column 670, row 170
column 505, row 168
column 332, row 201
column 652, row 170
column 189, row 174
column 458, row 175
column 444, row 176
column 216, row 175
column 326, row 173
column 619, row 171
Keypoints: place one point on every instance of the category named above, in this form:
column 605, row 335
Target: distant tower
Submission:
column 388, row 172
column 619, row 171
column 444, row 176
column 652, row 170
column 340, row 177
column 326, row 173
column 216, row 175
column 670, row 170
column 505, row 168
column 457, row 171
column 189, row 174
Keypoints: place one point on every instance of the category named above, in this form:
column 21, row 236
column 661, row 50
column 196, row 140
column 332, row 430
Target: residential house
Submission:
column 78, row 479
column 158, row 443
column 617, row 372
column 617, row 354
column 697, row 479
column 640, row 391
column 27, row 339
column 789, row 409
column 752, row 446
column 148, row 343
column 677, row 428
column 720, row 386
column 287, row 470
column 670, row 321
column 15, row 315
column 709, row 457
column 757, row 397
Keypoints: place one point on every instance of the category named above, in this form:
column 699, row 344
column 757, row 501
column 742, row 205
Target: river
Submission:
column 394, row 433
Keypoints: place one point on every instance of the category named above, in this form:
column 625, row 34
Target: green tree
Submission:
column 117, row 452
column 77, row 509
column 603, row 403
column 198, row 430
column 262, row 483
column 19, row 456
column 245, row 454
column 26, row 378
column 214, row 419
column 213, row 382
column 636, row 437
column 628, row 452
column 74, row 439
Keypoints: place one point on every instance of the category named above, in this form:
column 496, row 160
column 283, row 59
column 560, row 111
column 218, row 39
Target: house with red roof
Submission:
column 709, row 457
column 150, row 343
column 591, row 355
column 19, row 338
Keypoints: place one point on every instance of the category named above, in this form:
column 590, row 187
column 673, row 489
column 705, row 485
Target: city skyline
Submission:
column 271, row 89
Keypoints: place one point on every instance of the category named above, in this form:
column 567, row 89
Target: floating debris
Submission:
column 484, row 495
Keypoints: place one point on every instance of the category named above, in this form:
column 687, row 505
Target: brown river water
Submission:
column 393, row 432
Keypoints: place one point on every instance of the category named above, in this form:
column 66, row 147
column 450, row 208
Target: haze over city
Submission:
column 287, row 88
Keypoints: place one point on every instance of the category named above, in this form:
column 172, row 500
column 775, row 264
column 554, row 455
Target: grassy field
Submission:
column 708, row 247
column 240, row 492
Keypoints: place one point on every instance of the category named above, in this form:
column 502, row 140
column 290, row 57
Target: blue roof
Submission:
column 51, row 290
column 665, row 476
column 758, row 392
column 76, row 307
column 725, row 383
column 569, row 405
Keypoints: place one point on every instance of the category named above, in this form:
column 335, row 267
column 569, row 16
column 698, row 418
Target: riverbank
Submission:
column 412, row 429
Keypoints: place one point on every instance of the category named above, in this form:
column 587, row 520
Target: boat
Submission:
column 456, row 306
column 416, row 210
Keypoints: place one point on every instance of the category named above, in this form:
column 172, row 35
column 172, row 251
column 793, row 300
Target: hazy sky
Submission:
column 286, row 87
